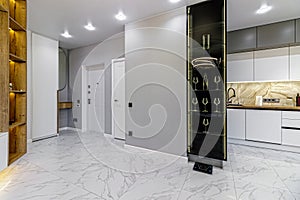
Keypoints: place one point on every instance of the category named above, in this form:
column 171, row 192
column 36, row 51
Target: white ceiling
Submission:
column 52, row 17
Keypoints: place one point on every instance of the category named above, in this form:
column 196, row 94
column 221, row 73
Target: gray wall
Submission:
column 155, row 50
column 101, row 53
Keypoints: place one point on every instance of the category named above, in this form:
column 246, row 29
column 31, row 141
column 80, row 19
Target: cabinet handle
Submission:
column 208, row 41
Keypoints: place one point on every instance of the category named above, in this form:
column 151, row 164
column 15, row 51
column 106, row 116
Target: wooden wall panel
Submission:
column 4, row 72
column 20, row 16
column 4, row 5
column 20, row 108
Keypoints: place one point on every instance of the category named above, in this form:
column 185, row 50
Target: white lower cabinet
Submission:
column 3, row 150
column 263, row 126
column 291, row 128
column 291, row 137
column 236, row 120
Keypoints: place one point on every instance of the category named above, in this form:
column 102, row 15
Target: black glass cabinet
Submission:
column 206, row 74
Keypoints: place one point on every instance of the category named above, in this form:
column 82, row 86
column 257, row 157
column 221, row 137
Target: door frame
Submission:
column 112, row 96
column 84, row 94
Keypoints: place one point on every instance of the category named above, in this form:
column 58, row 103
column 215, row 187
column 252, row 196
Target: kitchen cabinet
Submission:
column 206, row 74
column 291, row 128
column 263, row 126
column 298, row 30
column 241, row 40
column 276, row 34
column 272, row 64
column 240, row 67
column 295, row 63
column 236, row 123
column 3, row 150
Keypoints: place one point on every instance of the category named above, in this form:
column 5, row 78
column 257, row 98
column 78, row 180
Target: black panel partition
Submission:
column 207, row 77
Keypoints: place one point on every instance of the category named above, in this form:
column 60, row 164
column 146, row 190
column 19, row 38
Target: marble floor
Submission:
column 91, row 165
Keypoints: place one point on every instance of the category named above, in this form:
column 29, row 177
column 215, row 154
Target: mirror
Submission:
column 63, row 69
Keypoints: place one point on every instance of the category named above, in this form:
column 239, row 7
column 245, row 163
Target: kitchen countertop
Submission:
column 266, row 107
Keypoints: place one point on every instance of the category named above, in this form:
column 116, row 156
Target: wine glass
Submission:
column 194, row 102
column 205, row 81
column 217, row 102
column 195, row 81
column 205, row 123
column 217, row 80
column 205, row 102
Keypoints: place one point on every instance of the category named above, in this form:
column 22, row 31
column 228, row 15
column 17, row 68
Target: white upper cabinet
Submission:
column 270, row 65
column 240, row 67
column 295, row 63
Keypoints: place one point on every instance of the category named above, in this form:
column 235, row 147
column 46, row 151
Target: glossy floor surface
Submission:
column 93, row 166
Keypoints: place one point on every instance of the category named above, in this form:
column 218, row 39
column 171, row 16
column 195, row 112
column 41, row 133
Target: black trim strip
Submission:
column 291, row 128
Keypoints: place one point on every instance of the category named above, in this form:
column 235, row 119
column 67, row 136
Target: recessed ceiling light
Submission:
column 174, row 1
column 66, row 34
column 90, row 27
column 120, row 16
column 264, row 8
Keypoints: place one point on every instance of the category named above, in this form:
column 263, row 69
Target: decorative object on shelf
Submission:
column 205, row 82
column 217, row 80
column 195, row 81
column 10, row 86
column 217, row 102
column 297, row 100
column 195, row 103
column 205, row 123
column 205, row 102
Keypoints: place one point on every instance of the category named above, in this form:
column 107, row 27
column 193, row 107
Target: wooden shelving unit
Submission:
column 18, row 79
column 13, row 75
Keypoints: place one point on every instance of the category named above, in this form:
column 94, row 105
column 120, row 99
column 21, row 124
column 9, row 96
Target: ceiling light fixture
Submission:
column 174, row 1
column 264, row 8
column 66, row 34
column 90, row 27
column 120, row 16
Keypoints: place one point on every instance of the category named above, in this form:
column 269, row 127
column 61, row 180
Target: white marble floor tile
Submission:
column 92, row 165
column 289, row 173
column 250, row 191
column 255, row 170
column 25, row 181
column 165, row 183
column 198, row 185
column 297, row 196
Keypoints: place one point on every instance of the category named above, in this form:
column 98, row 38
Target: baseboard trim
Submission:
column 278, row 147
column 44, row 137
column 70, row 129
column 181, row 158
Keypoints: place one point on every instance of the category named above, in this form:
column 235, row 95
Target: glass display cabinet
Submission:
column 206, row 74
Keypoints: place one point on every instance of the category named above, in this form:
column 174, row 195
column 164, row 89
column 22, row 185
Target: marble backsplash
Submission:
column 247, row 92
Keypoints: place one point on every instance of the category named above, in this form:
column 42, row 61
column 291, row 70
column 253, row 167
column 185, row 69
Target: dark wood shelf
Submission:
column 64, row 105
column 17, row 91
column 16, row 124
column 16, row 58
column 13, row 24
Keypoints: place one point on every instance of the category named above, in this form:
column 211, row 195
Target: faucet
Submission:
column 229, row 98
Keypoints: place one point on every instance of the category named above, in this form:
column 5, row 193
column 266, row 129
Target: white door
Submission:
column 118, row 98
column 95, row 102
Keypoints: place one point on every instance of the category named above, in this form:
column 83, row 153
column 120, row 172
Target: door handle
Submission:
column 206, row 41
column 89, row 101
column 116, row 100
